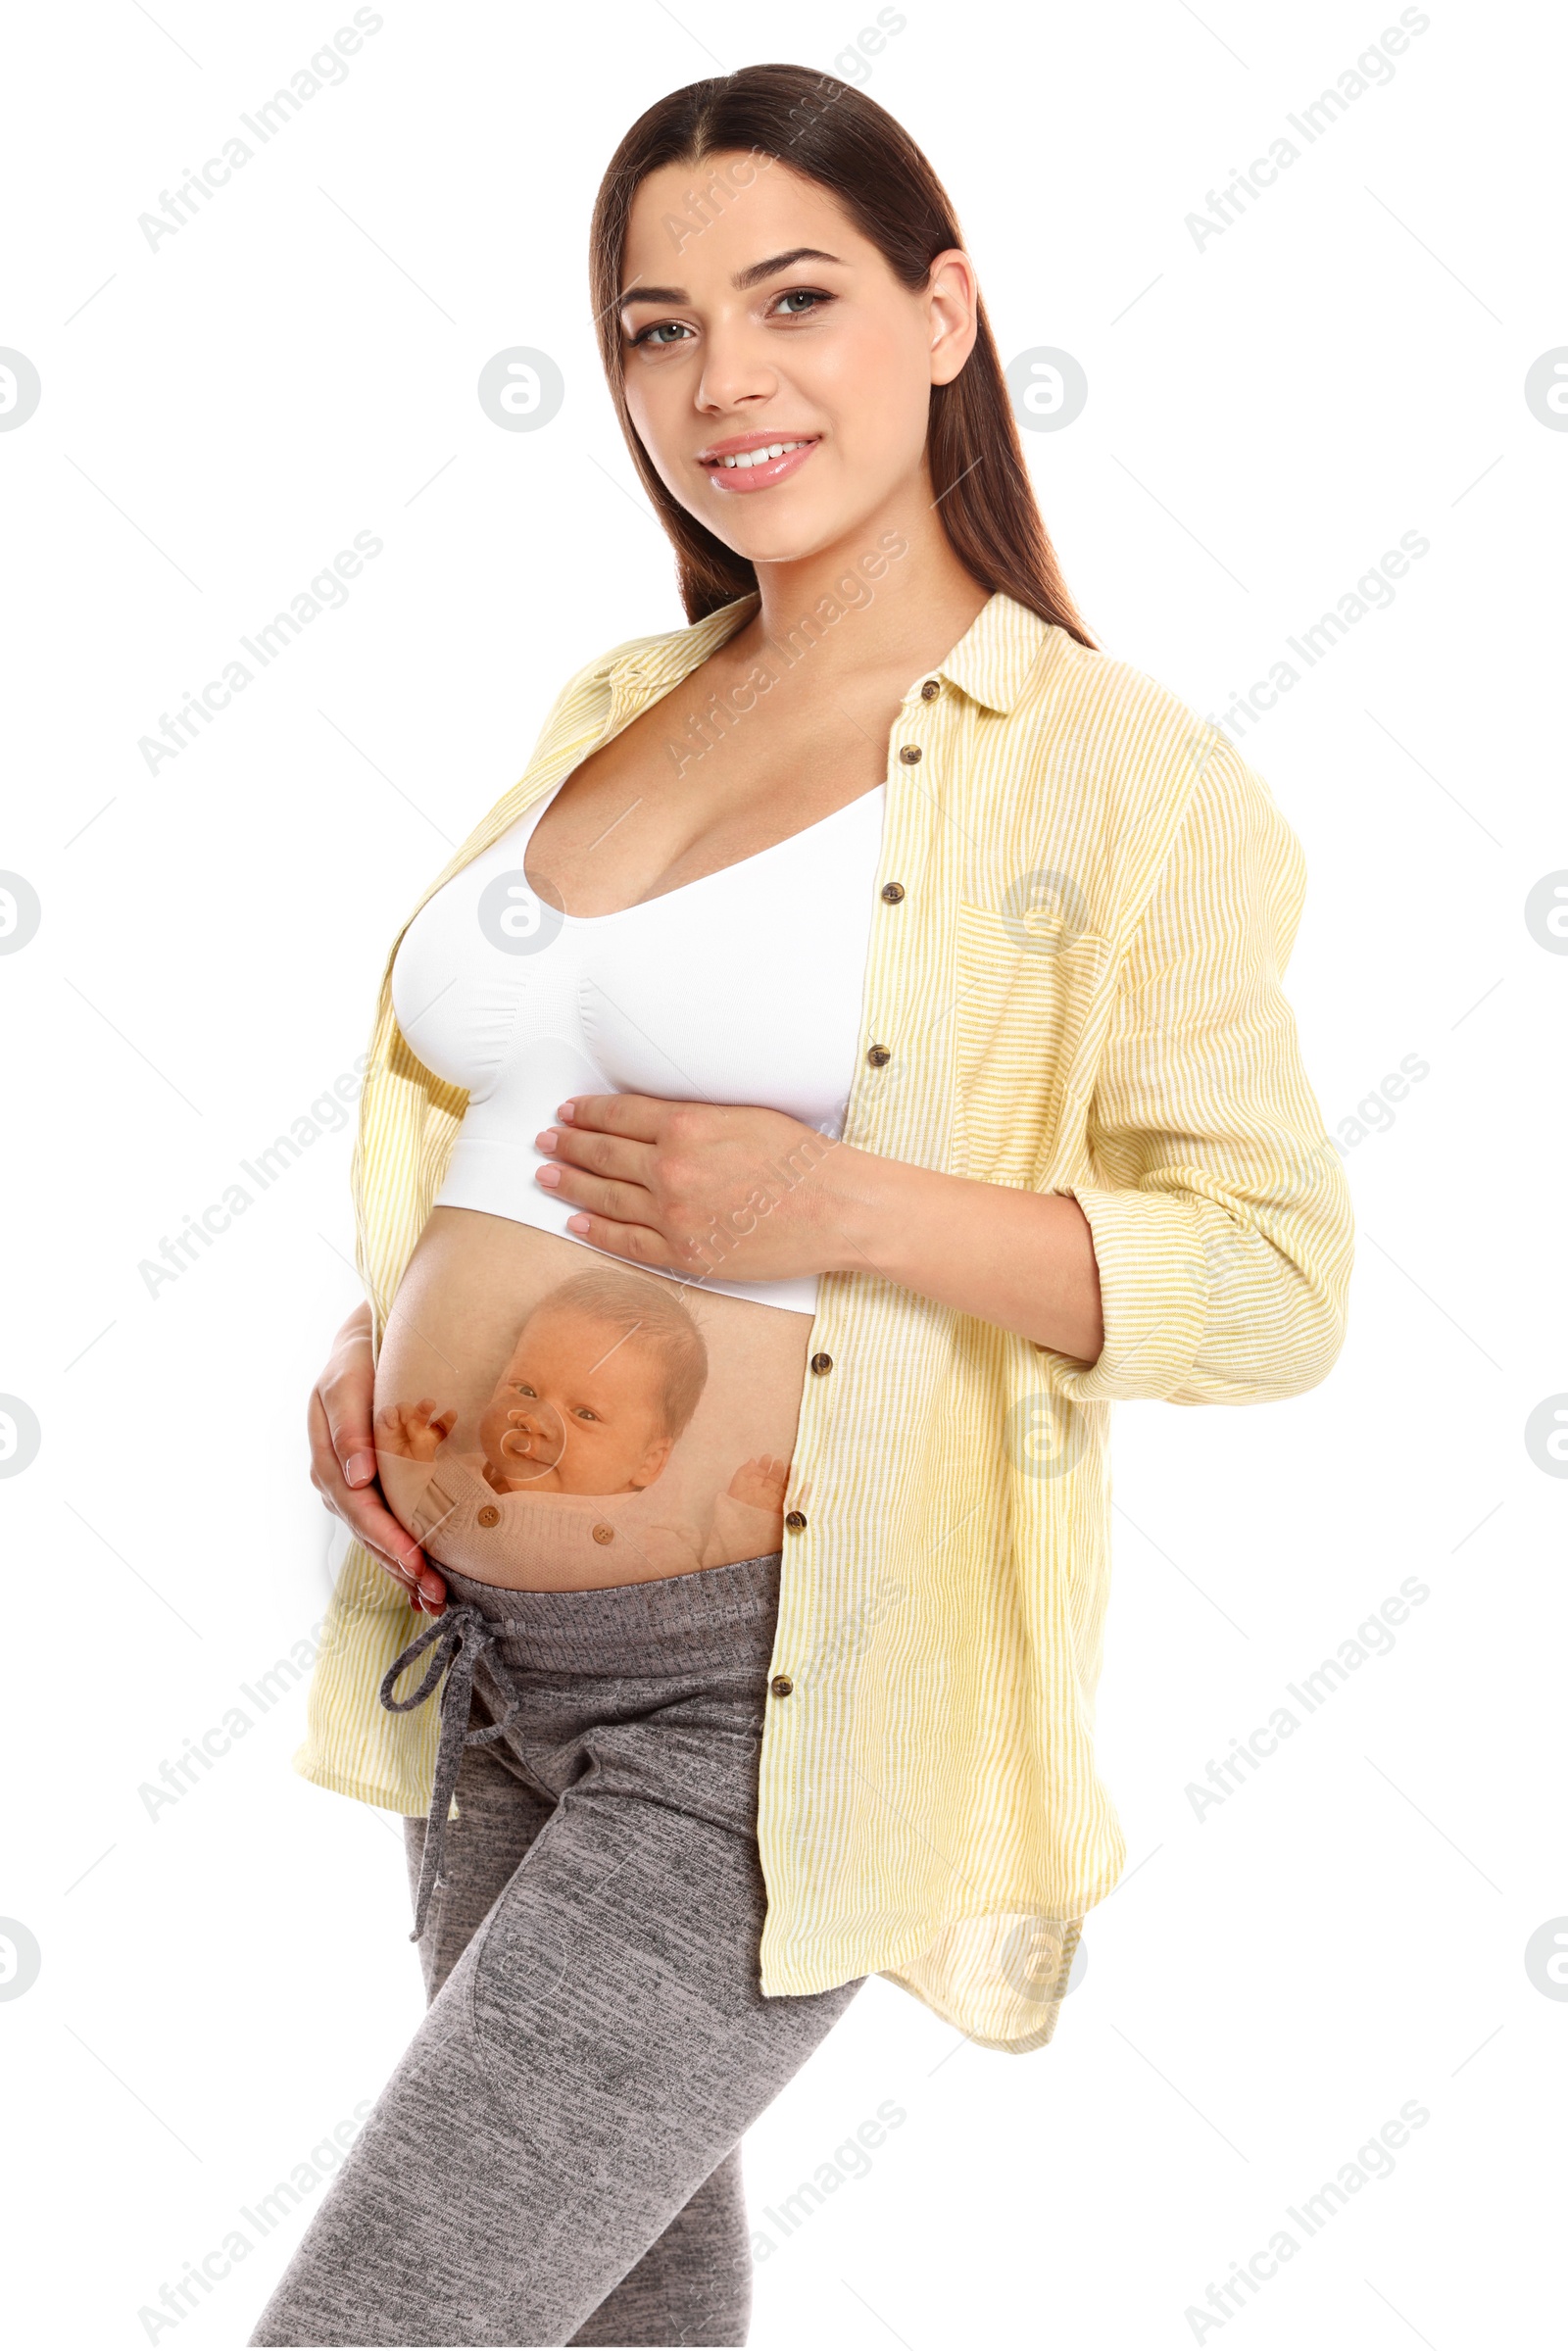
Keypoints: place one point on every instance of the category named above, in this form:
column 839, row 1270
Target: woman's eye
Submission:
column 809, row 298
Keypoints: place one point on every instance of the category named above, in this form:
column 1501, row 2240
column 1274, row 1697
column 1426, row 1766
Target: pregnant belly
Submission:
column 547, row 1418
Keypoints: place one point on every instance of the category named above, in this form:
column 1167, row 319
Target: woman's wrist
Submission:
column 1022, row 1260
column 856, row 1210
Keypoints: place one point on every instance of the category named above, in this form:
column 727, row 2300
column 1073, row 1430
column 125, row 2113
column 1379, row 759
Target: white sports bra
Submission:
column 744, row 986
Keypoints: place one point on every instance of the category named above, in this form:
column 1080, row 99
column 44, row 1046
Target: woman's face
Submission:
column 778, row 320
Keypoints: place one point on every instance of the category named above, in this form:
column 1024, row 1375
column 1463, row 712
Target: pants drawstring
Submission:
column 459, row 1636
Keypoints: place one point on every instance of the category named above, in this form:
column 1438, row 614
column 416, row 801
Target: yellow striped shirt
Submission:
column 1080, row 991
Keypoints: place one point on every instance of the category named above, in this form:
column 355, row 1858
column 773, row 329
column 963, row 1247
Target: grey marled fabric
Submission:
column 556, row 2158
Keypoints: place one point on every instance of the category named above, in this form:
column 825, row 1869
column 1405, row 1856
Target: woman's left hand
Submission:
column 743, row 1194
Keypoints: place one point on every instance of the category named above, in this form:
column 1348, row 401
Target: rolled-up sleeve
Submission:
column 1222, row 1216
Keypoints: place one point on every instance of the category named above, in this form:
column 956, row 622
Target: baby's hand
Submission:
column 415, row 1431
column 761, row 1483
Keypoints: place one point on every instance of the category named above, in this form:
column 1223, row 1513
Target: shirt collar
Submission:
column 990, row 662
column 661, row 663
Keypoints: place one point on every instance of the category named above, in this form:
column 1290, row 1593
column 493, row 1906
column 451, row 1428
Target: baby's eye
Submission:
column 586, row 1412
column 523, row 1388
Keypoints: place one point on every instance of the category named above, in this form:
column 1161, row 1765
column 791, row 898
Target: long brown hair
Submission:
column 832, row 133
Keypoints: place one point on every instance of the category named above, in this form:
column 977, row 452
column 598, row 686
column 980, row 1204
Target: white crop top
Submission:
column 744, row 987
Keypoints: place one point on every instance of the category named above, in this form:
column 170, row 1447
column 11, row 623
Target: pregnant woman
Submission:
column 851, row 1058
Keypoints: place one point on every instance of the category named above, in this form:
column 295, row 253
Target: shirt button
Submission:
column 911, row 755
column 604, row 1534
column 489, row 1516
column 879, row 1055
column 820, row 1363
column 782, row 1686
column 930, row 690
column 892, row 892
column 794, row 1520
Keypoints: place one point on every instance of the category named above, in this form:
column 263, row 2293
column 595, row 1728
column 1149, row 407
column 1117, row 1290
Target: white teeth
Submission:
column 761, row 456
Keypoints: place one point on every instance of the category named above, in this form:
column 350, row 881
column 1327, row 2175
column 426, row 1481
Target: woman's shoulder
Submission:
column 659, row 655
column 1107, row 702
column 1130, row 738
column 658, row 648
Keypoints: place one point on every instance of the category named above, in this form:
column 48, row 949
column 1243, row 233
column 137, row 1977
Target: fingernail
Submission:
column 565, row 1112
column 358, row 1467
column 550, row 1177
column 547, row 1141
column 578, row 1224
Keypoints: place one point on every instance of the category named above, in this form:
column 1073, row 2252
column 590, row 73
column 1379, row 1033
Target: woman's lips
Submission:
column 757, row 476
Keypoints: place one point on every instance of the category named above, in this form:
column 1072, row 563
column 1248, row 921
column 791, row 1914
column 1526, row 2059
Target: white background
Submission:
column 1267, row 413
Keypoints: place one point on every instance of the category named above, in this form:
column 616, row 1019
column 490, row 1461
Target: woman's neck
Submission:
column 903, row 598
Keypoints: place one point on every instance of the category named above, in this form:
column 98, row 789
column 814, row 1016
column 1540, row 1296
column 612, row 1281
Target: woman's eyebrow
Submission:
column 742, row 279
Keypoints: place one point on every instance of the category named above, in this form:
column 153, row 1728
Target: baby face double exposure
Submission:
column 580, row 1408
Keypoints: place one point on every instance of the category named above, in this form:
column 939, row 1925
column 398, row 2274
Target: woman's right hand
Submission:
column 343, row 1464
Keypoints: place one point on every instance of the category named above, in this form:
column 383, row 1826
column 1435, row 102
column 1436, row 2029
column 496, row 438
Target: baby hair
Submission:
column 649, row 1314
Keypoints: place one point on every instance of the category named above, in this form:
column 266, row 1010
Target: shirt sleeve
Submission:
column 1222, row 1223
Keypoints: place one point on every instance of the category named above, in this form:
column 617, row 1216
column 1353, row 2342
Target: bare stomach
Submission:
column 548, row 1418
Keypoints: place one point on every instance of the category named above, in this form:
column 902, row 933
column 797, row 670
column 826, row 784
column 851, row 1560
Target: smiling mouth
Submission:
column 528, row 1445
column 757, row 468
column 741, row 461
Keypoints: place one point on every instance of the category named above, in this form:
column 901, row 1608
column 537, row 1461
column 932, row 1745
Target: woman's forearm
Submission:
column 1024, row 1260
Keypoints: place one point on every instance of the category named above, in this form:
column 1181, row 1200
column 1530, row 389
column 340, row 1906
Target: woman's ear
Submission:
column 952, row 299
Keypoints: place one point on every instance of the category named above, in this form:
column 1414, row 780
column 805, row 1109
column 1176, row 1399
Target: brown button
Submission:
column 489, row 1516
column 879, row 1056
column 794, row 1520
column 782, row 1686
column 604, row 1534
column 821, row 1363
column 911, row 755
column 930, row 690
column 892, row 892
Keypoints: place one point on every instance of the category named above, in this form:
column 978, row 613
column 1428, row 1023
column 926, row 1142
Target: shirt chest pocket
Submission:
column 1026, row 985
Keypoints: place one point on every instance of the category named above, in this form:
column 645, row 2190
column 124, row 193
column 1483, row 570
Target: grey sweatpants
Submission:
column 556, row 2159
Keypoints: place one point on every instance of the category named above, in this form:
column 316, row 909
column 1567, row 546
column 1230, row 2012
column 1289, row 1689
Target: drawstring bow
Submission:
column 460, row 1638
